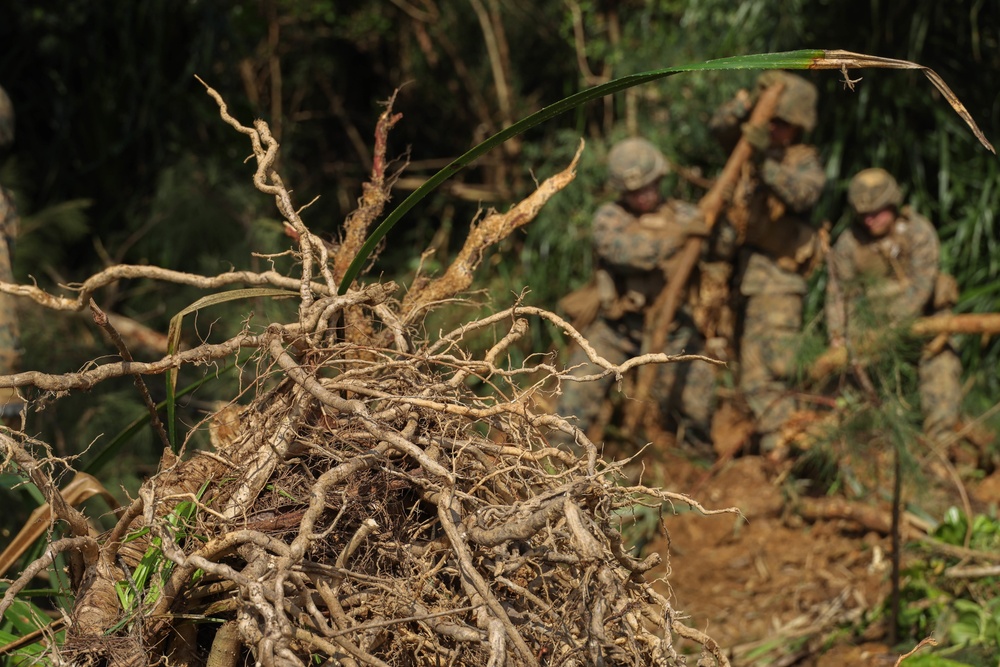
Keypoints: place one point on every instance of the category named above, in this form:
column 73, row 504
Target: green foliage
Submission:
column 25, row 617
column 932, row 660
column 146, row 581
column 953, row 529
column 963, row 614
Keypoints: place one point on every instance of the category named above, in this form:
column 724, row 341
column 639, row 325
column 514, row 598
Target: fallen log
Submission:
column 835, row 359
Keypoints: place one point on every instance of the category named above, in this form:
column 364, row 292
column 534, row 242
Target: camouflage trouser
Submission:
column 684, row 391
column 940, row 392
column 767, row 358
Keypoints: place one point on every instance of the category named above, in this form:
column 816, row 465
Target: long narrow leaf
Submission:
column 174, row 338
column 805, row 59
column 108, row 453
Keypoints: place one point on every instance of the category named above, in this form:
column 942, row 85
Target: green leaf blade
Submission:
column 788, row 60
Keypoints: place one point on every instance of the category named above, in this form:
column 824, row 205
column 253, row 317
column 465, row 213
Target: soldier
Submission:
column 889, row 261
column 635, row 238
column 769, row 212
column 10, row 403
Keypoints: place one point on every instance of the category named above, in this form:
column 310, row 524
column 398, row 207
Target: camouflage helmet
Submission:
column 6, row 119
column 797, row 105
column 635, row 163
column 873, row 189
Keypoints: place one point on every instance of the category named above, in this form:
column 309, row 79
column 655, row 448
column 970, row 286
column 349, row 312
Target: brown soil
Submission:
column 770, row 580
column 775, row 588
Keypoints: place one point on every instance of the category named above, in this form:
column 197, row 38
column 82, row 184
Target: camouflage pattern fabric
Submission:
column 873, row 189
column 896, row 272
column 797, row 104
column 771, row 203
column 770, row 207
column 895, row 276
column 629, row 244
column 684, row 391
column 771, row 326
column 940, row 378
column 635, row 163
column 634, row 254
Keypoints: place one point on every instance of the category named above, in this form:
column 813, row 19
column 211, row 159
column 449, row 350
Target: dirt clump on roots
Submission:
column 382, row 499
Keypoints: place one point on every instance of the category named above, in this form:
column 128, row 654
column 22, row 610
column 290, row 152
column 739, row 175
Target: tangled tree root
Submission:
column 372, row 509
column 369, row 506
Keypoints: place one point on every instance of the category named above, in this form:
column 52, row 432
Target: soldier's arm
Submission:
column 622, row 242
column 725, row 122
column 921, row 271
column 798, row 179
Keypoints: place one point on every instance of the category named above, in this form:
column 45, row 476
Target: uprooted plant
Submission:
column 366, row 506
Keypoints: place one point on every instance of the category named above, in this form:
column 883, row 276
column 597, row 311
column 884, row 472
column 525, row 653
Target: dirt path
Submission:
column 778, row 590
column 772, row 589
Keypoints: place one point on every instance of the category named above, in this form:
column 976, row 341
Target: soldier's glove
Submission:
column 757, row 136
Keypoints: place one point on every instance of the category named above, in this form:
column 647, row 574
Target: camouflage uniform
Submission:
column 10, row 353
column 898, row 278
column 770, row 212
column 634, row 253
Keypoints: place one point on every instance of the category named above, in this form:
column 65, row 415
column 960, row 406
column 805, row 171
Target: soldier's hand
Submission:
column 757, row 136
column 656, row 221
column 743, row 100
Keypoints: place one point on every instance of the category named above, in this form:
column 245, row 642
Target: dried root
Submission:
column 372, row 504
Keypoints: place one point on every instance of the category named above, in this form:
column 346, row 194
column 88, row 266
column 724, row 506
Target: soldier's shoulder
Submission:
column 916, row 230
column 611, row 213
column 918, row 224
